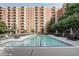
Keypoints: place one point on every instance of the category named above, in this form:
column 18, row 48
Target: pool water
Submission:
column 37, row 41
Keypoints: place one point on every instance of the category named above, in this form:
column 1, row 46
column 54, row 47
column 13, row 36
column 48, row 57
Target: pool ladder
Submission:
column 40, row 43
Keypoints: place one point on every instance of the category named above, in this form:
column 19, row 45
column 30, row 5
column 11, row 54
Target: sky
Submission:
column 57, row 5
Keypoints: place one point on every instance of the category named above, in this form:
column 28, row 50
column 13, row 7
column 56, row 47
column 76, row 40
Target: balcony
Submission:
column 9, row 12
column 36, row 12
column 22, row 23
column 41, row 26
column 41, row 14
column 22, row 17
column 8, row 16
column 14, row 15
column 36, row 29
column 53, row 15
column 14, row 12
column 0, row 12
column 14, row 20
column 36, row 23
column 22, row 7
column 41, row 17
column 42, row 23
column 8, row 24
column 8, row 20
column 22, row 29
column 36, row 26
column 14, row 7
column 36, row 7
column 36, row 20
column 0, row 9
column 53, row 11
column 36, row 17
column 1, row 15
column 22, row 12
column 22, row 20
column 1, row 18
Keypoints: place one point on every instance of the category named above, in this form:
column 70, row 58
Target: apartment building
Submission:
column 27, row 19
column 59, row 13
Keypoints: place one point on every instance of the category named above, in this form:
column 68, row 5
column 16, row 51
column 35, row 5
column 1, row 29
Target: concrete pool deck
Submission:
column 39, row 51
column 43, row 51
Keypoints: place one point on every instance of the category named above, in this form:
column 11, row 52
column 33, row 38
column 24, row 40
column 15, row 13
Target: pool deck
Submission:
column 43, row 51
column 39, row 51
column 13, row 39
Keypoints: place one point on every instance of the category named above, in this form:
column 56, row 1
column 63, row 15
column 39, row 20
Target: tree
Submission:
column 71, row 8
column 69, row 20
column 2, row 27
column 67, row 23
column 49, row 24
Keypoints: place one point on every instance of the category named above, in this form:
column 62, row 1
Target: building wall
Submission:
column 30, row 19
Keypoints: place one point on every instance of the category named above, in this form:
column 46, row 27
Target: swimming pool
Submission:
column 37, row 41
